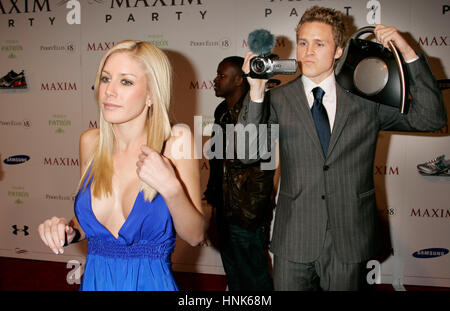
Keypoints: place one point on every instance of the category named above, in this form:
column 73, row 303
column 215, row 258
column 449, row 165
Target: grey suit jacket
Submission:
column 336, row 190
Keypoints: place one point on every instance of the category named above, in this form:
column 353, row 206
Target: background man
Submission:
column 240, row 194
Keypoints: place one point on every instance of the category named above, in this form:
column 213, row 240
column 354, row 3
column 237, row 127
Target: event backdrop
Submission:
column 58, row 45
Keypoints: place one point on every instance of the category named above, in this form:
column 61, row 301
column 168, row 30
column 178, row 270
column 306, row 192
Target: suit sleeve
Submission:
column 259, row 122
column 427, row 110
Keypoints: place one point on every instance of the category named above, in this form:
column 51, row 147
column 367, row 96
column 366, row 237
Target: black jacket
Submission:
column 241, row 193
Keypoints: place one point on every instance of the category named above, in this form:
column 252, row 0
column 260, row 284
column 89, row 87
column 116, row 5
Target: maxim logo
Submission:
column 61, row 162
column 430, row 213
column 100, row 46
column 201, row 85
column 430, row 253
column 58, row 86
column 152, row 3
column 279, row 43
column 93, row 124
column 433, row 41
column 16, row 159
column 386, row 170
column 24, row 6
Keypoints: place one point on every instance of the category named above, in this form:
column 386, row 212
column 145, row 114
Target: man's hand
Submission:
column 257, row 86
column 384, row 34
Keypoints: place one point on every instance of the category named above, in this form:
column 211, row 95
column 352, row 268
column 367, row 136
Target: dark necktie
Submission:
column 320, row 117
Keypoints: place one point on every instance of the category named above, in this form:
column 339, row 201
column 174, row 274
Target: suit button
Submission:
column 323, row 197
column 326, row 167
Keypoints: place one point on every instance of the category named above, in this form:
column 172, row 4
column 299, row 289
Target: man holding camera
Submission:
column 326, row 222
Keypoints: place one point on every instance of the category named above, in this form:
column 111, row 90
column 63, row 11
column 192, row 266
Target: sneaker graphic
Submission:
column 436, row 167
column 13, row 80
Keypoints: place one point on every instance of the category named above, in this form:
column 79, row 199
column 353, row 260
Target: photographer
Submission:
column 325, row 226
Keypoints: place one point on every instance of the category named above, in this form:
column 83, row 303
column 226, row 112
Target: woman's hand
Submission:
column 157, row 172
column 53, row 233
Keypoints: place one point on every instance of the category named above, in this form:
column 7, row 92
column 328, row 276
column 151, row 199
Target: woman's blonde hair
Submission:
column 158, row 72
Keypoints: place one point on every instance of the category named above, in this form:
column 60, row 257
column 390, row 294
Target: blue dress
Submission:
column 139, row 259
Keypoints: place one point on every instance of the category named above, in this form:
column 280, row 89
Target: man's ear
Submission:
column 239, row 80
column 338, row 52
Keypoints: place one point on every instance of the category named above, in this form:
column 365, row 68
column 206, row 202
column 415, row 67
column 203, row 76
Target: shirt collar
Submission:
column 328, row 84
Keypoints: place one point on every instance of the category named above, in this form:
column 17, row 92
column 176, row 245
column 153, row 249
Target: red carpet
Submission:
column 32, row 275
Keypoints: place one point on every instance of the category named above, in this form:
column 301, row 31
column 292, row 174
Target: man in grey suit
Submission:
column 326, row 221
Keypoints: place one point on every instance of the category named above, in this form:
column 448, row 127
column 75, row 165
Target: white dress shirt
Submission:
column 328, row 100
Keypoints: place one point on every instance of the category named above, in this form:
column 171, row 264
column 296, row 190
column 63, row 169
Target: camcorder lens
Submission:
column 259, row 65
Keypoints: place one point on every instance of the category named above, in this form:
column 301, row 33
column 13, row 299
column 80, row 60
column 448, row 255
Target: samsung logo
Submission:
column 430, row 253
column 17, row 159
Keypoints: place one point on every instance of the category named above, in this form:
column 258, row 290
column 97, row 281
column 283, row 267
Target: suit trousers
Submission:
column 326, row 273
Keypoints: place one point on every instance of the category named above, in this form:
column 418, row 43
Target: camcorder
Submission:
column 265, row 67
column 267, row 64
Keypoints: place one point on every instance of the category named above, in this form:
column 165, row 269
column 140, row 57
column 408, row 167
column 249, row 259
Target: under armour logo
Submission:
column 24, row 230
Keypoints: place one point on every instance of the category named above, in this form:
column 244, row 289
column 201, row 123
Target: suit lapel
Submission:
column 301, row 107
column 342, row 113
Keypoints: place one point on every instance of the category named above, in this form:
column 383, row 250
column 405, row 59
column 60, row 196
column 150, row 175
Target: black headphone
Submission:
column 371, row 71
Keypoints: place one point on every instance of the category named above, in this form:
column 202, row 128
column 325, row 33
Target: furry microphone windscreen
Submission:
column 261, row 41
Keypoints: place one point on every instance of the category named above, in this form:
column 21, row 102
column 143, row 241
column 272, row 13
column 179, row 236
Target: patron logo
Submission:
column 11, row 47
column 18, row 194
column 430, row 213
column 61, row 161
column 60, row 122
column 158, row 40
column 16, row 159
column 430, row 253
column 58, row 86
column 23, row 230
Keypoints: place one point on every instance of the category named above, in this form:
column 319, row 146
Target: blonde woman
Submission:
column 134, row 193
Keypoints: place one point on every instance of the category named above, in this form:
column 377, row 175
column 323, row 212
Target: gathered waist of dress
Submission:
column 111, row 248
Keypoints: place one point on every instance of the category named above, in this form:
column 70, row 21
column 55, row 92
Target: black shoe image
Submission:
column 13, row 80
